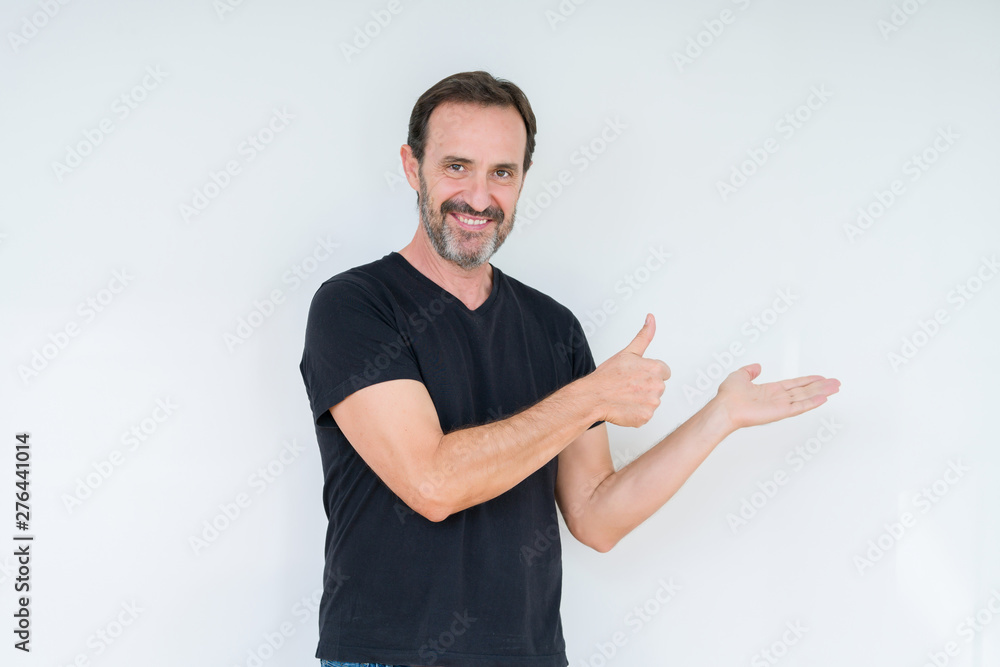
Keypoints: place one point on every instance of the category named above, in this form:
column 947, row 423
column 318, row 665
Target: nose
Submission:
column 478, row 195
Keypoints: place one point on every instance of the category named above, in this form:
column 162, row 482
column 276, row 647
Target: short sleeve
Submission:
column 582, row 358
column 352, row 341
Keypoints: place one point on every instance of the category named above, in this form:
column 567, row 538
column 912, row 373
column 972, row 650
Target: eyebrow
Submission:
column 455, row 159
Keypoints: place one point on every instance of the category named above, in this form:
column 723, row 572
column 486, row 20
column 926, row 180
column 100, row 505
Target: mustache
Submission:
column 493, row 212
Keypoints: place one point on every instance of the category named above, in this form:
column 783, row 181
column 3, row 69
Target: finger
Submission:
column 642, row 339
column 812, row 384
column 822, row 388
column 752, row 371
column 792, row 383
column 807, row 404
column 825, row 387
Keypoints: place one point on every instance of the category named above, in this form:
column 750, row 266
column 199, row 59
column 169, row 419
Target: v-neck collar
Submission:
column 483, row 307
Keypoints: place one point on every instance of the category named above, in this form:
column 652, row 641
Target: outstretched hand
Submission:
column 749, row 404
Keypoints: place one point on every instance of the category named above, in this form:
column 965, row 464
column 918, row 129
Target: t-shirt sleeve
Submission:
column 583, row 359
column 352, row 341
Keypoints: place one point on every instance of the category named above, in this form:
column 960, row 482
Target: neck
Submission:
column 471, row 286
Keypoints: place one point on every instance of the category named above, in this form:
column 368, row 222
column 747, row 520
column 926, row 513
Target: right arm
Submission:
column 394, row 427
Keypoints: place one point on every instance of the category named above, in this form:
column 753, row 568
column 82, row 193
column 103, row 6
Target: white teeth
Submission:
column 474, row 223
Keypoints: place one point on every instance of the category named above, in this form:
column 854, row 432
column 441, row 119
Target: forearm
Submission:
column 626, row 498
column 475, row 464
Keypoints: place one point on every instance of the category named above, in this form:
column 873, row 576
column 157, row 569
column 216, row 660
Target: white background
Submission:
column 889, row 90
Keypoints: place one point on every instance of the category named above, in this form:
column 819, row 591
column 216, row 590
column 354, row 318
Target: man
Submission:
column 455, row 407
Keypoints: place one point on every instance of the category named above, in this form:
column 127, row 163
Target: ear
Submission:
column 410, row 166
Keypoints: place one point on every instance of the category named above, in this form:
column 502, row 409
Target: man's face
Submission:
column 470, row 179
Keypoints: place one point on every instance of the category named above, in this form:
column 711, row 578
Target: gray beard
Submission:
column 447, row 240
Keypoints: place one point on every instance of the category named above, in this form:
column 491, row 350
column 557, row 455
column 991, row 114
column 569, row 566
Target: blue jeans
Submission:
column 328, row 663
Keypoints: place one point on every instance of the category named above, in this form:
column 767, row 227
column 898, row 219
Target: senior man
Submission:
column 456, row 407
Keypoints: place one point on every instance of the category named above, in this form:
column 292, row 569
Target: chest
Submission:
column 479, row 369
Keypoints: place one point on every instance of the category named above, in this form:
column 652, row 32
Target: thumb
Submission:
column 752, row 371
column 642, row 339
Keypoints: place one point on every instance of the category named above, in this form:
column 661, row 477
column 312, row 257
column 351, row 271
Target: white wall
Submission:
column 330, row 174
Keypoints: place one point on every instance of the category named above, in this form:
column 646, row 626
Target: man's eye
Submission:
column 503, row 173
column 456, row 167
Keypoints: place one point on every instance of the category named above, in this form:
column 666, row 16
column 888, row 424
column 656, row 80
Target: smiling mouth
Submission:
column 472, row 223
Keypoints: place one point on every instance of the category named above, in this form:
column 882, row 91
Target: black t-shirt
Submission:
column 481, row 588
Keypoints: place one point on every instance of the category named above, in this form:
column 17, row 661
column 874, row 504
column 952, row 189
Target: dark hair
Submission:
column 470, row 87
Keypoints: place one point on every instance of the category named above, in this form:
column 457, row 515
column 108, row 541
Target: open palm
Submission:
column 749, row 404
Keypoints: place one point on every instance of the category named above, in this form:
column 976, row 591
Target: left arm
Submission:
column 601, row 506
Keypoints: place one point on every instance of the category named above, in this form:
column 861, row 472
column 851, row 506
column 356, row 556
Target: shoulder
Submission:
column 365, row 281
column 359, row 294
column 538, row 301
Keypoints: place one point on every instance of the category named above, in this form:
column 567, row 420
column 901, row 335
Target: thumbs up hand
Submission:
column 628, row 386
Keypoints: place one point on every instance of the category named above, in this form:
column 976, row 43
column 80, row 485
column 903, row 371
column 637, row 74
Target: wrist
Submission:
column 719, row 417
column 582, row 401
